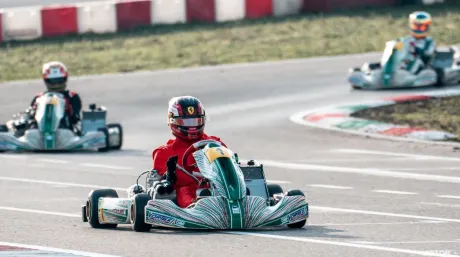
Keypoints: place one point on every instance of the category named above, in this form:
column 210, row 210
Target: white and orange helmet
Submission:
column 419, row 23
column 55, row 76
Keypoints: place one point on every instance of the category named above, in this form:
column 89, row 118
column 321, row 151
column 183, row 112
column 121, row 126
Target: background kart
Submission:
column 238, row 198
column 444, row 70
column 93, row 133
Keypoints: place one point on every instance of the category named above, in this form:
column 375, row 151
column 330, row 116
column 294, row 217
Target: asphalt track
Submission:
column 369, row 197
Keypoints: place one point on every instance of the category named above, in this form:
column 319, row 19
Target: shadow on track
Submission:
column 306, row 232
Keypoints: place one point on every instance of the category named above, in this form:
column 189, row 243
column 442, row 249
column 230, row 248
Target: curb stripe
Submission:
column 339, row 117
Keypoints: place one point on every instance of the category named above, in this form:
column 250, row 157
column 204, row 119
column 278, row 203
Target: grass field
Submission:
column 439, row 113
column 245, row 41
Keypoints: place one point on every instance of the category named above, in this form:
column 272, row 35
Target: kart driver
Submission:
column 423, row 46
column 186, row 119
column 55, row 76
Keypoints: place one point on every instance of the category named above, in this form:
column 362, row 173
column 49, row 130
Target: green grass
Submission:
column 160, row 47
column 438, row 113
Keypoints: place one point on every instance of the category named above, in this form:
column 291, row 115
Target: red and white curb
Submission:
column 13, row 249
column 338, row 118
column 111, row 16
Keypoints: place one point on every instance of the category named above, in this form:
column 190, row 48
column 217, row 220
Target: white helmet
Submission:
column 55, row 76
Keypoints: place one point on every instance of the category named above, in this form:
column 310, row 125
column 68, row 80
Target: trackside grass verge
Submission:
column 435, row 113
column 159, row 47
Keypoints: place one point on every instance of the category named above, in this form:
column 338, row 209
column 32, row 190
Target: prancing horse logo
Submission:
column 190, row 109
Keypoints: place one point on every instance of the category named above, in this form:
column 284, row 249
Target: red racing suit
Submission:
column 185, row 186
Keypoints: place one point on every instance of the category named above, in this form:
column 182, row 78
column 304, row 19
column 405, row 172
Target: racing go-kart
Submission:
column 443, row 70
column 237, row 198
column 43, row 133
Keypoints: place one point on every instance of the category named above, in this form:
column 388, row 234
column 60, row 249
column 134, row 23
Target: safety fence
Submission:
column 25, row 23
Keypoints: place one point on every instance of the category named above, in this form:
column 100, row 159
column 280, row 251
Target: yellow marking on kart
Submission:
column 217, row 152
column 399, row 45
column 53, row 100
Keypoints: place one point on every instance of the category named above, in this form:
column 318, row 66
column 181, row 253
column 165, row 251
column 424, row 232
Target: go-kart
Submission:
column 45, row 132
column 443, row 70
column 236, row 197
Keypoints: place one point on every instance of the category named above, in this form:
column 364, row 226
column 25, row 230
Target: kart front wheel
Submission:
column 138, row 213
column 302, row 223
column 119, row 133
column 92, row 207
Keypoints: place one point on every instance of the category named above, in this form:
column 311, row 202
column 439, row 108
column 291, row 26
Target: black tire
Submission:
column 120, row 128
column 354, row 87
column 3, row 128
column 274, row 189
column 439, row 81
column 302, row 223
column 374, row 65
column 138, row 213
column 106, row 133
column 92, row 207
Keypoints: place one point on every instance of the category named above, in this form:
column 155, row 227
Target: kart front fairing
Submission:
column 229, row 207
column 48, row 136
column 389, row 74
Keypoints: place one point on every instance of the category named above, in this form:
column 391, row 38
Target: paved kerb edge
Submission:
column 339, row 117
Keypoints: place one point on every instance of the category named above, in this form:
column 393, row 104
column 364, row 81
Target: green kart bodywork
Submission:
column 443, row 70
column 48, row 136
column 227, row 207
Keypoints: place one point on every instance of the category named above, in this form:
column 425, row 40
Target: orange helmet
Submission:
column 419, row 23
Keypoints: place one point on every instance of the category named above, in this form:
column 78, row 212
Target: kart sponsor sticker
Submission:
column 235, row 209
column 163, row 219
column 295, row 216
column 123, row 212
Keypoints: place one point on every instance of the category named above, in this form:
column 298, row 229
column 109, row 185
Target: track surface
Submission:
column 249, row 106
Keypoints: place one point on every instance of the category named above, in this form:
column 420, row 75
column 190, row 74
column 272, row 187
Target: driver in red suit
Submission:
column 186, row 119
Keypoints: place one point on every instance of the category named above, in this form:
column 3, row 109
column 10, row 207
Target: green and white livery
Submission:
column 47, row 134
column 396, row 64
column 237, row 198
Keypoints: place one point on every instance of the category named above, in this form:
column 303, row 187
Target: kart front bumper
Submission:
column 65, row 141
column 219, row 213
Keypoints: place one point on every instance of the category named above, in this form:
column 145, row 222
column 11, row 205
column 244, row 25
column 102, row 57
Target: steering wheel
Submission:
column 193, row 148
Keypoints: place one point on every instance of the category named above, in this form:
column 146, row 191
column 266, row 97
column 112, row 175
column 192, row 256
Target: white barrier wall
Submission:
column 97, row 17
column 168, row 11
column 229, row 10
column 287, row 7
column 21, row 23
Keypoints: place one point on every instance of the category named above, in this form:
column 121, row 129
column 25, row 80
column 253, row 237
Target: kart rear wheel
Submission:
column 106, row 133
column 118, row 127
column 302, row 223
column 138, row 213
column 92, row 210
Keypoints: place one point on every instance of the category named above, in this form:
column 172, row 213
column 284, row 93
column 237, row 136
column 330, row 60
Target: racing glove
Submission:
column 171, row 172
